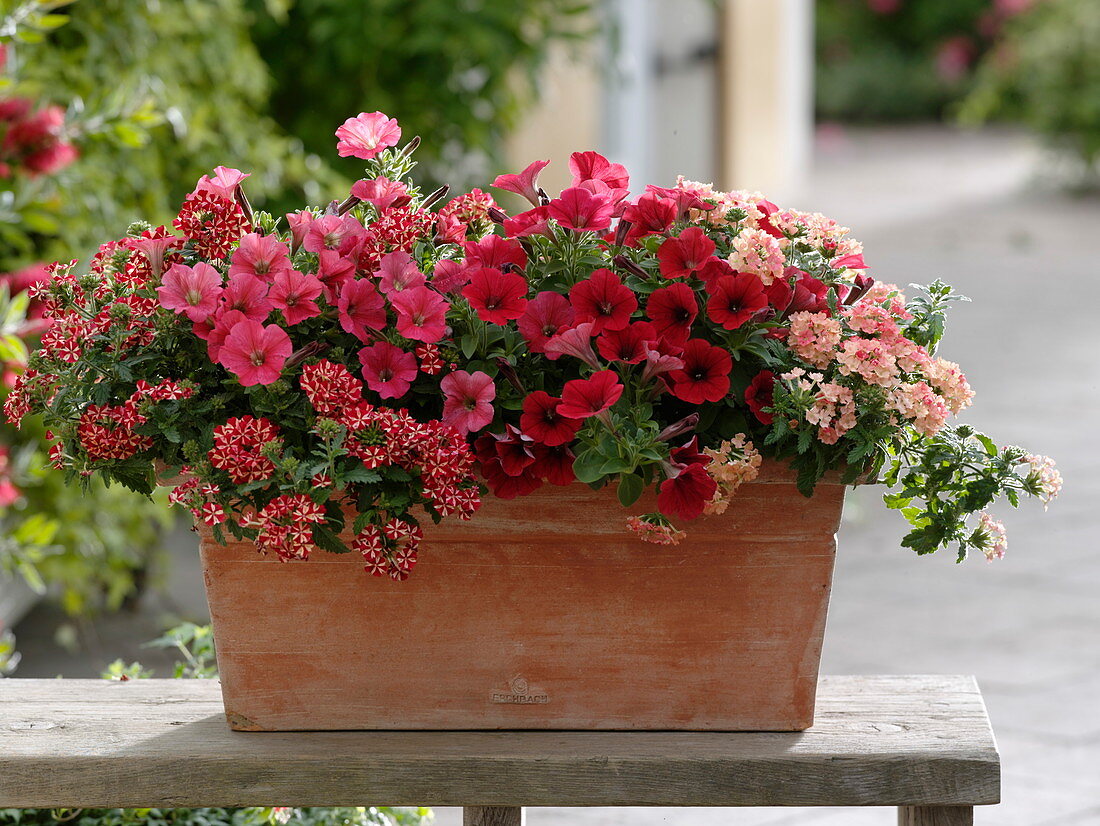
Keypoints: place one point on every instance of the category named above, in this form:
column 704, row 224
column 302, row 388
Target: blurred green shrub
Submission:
column 897, row 60
column 457, row 72
column 1045, row 73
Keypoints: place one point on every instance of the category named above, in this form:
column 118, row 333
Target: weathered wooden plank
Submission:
column 493, row 816
column 878, row 741
column 936, row 816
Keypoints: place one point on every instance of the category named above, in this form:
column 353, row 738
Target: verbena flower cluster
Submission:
column 356, row 368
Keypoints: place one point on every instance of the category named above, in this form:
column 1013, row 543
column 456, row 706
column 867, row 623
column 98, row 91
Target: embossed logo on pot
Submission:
column 520, row 693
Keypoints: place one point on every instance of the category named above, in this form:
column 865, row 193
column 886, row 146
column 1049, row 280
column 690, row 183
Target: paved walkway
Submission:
column 927, row 204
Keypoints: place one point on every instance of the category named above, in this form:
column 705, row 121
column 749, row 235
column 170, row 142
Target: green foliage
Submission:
column 882, row 65
column 9, row 657
column 457, row 72
column 157, row 94
column 946, row 478
column 1046, row 75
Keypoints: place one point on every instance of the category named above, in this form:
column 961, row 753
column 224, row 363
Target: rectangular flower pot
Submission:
column 540, row 613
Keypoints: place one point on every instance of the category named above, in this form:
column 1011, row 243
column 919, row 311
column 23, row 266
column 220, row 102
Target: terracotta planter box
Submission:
column 540, row 613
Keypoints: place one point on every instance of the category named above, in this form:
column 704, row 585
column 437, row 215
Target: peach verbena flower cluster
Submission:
column 332, row 377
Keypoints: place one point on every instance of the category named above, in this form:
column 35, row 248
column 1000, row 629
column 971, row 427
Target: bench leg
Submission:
column 934, row 816
column 492, row 816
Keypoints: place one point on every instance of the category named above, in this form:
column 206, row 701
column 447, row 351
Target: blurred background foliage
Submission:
column 1045, row 73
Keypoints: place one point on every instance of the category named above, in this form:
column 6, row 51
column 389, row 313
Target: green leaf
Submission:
column 631, row 487
column 587, row 466
column 327, row 539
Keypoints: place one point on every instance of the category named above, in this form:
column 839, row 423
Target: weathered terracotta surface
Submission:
column 540, row 613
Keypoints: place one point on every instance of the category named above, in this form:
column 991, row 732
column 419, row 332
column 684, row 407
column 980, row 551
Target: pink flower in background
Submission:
column 524, row 183
column 580, row 210
column 954, row 57
column 421, row 314
column 397, row 271
column 592, row 166
column 381, row 192
column 388, row 369
column 468, row 400
column 296, row 295
column 361, row 306
column 248, row 294
column 193, row 292
column 255, row 353
column 263, row 256
column 884, row 7
column 366, row 135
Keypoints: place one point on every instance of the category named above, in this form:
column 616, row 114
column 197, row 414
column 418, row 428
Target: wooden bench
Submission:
column 922, row 744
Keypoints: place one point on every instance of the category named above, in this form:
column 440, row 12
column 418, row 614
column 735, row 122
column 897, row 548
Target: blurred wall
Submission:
column 716, row 91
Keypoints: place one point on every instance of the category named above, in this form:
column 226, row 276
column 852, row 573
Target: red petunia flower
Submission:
column 468, row 400
column 191, row 291
column 263, row 256
column 809, row 294
column 713, row 269
column 760, row 394
column 578, row 209
column 604, row 300
column 296, row 295
column 497, row 297
column 780, row 294
column 705, row 376
column 672, row 311
column 735, row 299
column 582, row 398
column 592, row 166
column 685, row 494
column 554, row 463
column 389, row 370
column 494, row 251
column 367, row 134
column 421, row 314
column 651, row 214
column 524, row 183
column 547, row 314
column 629, row 344
column 685, row 254
column 248, row 294
column 450, row 275
column 397, row 271
column 255, row 353
column 542, row 421
column 531, row 222
column 361, row 307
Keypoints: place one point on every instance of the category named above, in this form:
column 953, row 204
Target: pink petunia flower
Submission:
column 389, row 370
column 218, row 329
column 224, row 183
column 592, row 166
column 334, row 232
column 468, row 400
column 248, row 294
column 531, row 222
column 450, row 275
column 334, row 271
column 494, row 251
column 397, row 271
column 524, row 183
column 296, row 295
column 367, row 134
column 421, row 314
column 381, row 192
column 255, row 353
column 191, row 291
column 582, row 398
column 547, row 314
column 361, row 306
column 263, row 256
column 299, row 223
column 578, row 209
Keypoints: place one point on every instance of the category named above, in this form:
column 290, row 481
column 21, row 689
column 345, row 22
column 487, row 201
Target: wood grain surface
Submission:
column 877, row 741
column 541, row 613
